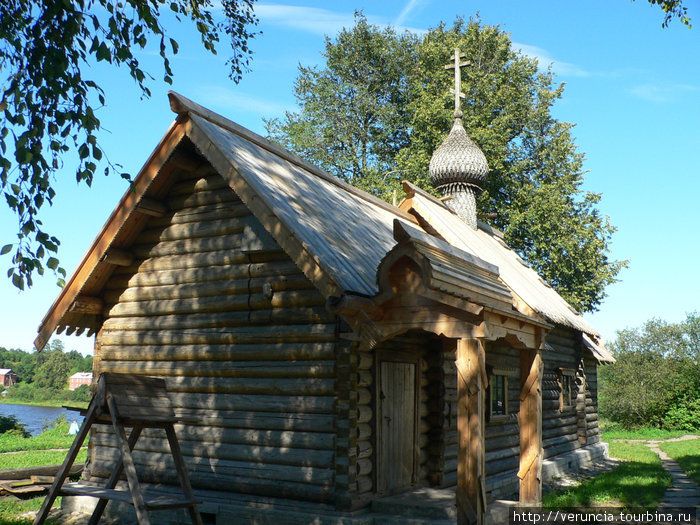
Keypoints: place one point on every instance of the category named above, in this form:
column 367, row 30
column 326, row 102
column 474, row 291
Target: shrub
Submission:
column 656, row 379
column 10, row 425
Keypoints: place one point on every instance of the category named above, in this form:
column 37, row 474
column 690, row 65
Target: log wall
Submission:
column 214, row 306
column 566, row 429
column 563, row 431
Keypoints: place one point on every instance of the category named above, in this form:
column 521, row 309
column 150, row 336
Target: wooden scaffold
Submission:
column 124, row 400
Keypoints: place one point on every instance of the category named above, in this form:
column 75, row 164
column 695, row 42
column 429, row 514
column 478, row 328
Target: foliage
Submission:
column 640, row 481
column 354, row 117
column 49, row 104
column 380, row 107
column 26, row 364
column 656, row 379
column 53, row 373
column 11, row 426
column 686, row 454
column 673, row 8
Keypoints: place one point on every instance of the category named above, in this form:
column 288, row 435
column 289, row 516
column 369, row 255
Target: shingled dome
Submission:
column 458, row 159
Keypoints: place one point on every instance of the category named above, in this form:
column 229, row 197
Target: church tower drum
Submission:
column 458, row 167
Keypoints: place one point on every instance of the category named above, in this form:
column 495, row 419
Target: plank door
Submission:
column 397, row 426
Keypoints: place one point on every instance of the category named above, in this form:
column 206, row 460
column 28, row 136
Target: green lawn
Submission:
column 638, row 482
column 56, row 437
column 37, row 458
column 32, row 452
column 686, row 454
column 610, row 430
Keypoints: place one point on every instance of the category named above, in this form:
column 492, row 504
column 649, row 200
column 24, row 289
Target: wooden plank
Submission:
column 112, row 482
column 530, row 419
column 87, row 305
column 151, row 207
column 128, row 462
column 252, row 352
column 41, row 471
column 118, row 257
column 226, row 268
column 151, row 502
column 67, row 463
column 182, row 474
column 471, row 470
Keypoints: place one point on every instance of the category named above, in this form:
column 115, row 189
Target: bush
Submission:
column 10, row 425
column 656, row 379
column 82, row 394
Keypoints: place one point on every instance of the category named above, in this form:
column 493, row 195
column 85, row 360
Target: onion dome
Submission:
column 458, row 160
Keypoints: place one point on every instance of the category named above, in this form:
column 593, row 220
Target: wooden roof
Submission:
column 336, row 233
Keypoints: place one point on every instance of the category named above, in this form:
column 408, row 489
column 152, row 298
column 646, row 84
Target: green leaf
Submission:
column 103, row 53
column 6, row 249
column 52, row 263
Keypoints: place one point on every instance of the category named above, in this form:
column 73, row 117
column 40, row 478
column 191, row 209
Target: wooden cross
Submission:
column 457, row 64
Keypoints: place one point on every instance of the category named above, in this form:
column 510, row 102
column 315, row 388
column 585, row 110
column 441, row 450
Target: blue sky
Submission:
column 632, row 89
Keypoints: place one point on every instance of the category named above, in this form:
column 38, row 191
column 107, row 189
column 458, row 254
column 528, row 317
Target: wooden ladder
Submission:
column 124, row 400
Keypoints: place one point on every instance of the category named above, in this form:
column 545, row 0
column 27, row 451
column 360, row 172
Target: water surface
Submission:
column 35, row 418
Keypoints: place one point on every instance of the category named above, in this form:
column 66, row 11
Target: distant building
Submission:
column 79, row 379
column 7, row 377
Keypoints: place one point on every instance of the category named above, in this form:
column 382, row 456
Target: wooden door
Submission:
column 396, row 426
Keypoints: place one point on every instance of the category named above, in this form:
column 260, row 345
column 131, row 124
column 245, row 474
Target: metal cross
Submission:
column 457, row 64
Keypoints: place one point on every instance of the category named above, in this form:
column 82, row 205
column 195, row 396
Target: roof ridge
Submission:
column 182, row 105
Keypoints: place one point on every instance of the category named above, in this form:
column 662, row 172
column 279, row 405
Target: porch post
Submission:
column 471, row 473
column 530, row 420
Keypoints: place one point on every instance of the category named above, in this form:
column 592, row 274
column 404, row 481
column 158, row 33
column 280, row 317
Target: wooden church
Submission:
column 329, row 351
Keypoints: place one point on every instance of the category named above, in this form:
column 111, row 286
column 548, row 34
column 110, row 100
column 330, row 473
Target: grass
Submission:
column 37, row 458
column 44, row 403
column 686, row 454
column 12, row 508
column 612, row 430
column 55, row 437
column 638, row 482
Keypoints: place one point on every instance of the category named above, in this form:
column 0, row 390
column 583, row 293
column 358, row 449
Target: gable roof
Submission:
column 336, row 233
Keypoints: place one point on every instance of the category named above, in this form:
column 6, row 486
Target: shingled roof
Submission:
column 335, row 233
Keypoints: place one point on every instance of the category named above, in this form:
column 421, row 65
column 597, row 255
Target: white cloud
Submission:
column 564, row 69
column 316, row 20
column 410, row 6
column 662, row 93
column 309, row 19
column 224, row 98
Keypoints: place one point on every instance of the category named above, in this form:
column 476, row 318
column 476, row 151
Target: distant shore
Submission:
column 47, row 403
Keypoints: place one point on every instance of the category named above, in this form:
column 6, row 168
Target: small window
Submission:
column 499, row 395
column 567, row 384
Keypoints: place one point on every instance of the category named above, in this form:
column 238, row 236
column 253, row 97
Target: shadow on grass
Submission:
column 686, row 454
column 632, row 484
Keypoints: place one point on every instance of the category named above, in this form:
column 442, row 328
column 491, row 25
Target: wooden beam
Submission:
column 530, row 420
column 87, row 305
column 151, row 207
column 118, row 257
column 471, row 471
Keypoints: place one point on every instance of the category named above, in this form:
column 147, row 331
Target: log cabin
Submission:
column 337, row 359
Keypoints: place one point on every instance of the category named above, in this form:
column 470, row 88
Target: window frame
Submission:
column 567, row 375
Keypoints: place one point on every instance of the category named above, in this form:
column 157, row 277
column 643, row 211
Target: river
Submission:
column 35, row 418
